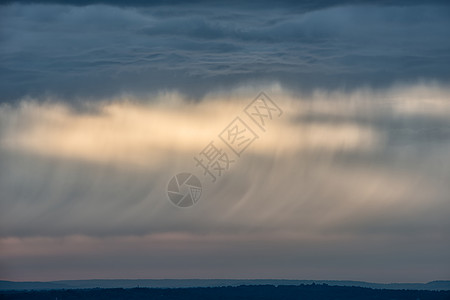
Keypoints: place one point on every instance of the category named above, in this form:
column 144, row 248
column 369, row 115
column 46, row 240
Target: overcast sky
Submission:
column 102, row 102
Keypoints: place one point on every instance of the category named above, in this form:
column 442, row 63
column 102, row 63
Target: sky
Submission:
column 103, row 102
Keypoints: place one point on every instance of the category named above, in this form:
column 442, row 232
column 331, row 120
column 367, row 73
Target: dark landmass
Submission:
column 185, row 283
column 312, row 291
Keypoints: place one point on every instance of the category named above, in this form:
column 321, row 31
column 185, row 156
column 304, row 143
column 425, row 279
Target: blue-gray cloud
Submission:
column 101, row 50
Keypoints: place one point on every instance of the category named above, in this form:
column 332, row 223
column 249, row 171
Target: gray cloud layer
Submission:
column 99, row 51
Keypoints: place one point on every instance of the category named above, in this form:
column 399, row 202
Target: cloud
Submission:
column 103, row 103
column 89, row 185
column 99, row 51
column 117, row 157
column 226, row 256
column 128, row 132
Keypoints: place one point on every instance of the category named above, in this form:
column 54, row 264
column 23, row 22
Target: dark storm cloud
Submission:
column 101, row 50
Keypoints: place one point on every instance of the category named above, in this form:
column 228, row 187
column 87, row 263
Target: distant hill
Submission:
column 247, row 292
column 181, row 283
